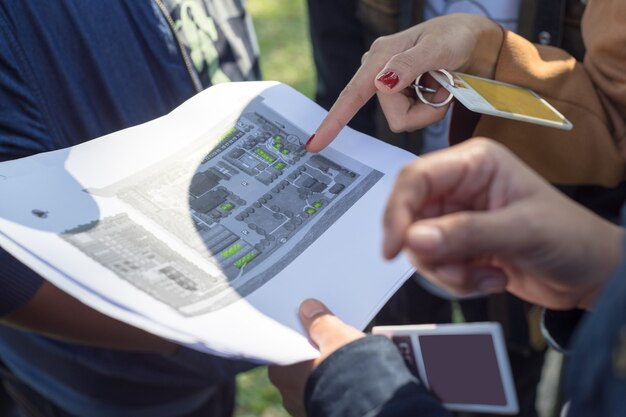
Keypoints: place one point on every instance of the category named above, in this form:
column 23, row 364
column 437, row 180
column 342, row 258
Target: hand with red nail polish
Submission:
column 460, row 42
column 309, row 141
column 389, row 79
column 474, row 218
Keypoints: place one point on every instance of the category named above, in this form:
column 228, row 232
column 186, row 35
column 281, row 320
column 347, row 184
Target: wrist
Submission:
column 489, row 39
column 610, row 255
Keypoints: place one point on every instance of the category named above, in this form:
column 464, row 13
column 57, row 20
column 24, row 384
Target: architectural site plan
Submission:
column 249, row 206
column 210, row 225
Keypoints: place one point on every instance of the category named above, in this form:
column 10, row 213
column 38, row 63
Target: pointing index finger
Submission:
column 354, row 96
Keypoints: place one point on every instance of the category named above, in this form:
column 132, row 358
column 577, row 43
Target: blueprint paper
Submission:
column 209, row 226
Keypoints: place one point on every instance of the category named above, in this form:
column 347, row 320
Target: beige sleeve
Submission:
column 591, row 94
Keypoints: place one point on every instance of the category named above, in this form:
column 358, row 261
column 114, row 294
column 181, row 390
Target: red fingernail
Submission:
column 390, row 79
column 309, row 141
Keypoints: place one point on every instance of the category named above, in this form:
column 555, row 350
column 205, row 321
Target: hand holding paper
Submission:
column 329, row 334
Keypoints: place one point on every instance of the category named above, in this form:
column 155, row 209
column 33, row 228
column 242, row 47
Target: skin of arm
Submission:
column 54, row 313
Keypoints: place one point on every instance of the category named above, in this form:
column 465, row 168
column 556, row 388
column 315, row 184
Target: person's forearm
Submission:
column 56, row 314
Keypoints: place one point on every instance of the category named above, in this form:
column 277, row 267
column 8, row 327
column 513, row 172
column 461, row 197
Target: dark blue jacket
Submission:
column 70, row 71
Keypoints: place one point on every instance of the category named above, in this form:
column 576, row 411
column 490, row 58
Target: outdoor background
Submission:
column 282, row 29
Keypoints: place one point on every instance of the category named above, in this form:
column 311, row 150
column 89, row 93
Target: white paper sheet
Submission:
column 209, row 226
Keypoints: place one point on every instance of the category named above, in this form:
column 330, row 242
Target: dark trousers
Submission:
column 7, row 405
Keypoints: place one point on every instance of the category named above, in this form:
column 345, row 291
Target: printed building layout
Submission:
column 248, row 207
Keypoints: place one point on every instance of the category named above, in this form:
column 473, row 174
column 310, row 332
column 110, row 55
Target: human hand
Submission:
column 458, row 42
column 475, row 218
column 328, row 333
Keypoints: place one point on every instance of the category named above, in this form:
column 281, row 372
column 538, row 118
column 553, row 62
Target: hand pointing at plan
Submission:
column 459, row 42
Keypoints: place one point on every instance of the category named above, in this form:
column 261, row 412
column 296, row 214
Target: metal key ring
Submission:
column 420, row 89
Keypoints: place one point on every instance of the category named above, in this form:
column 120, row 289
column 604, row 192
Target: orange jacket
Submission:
column 591, row 94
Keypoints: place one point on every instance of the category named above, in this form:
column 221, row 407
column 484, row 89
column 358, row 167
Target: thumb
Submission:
column 324, row 329
column 461, row 236
column 403, row 68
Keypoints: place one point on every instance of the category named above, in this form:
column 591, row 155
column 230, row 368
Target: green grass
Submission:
column 282, row 29
column 256, row 397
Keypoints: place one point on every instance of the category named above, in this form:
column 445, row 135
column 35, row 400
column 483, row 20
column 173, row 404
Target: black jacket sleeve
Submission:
column 368, row 378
